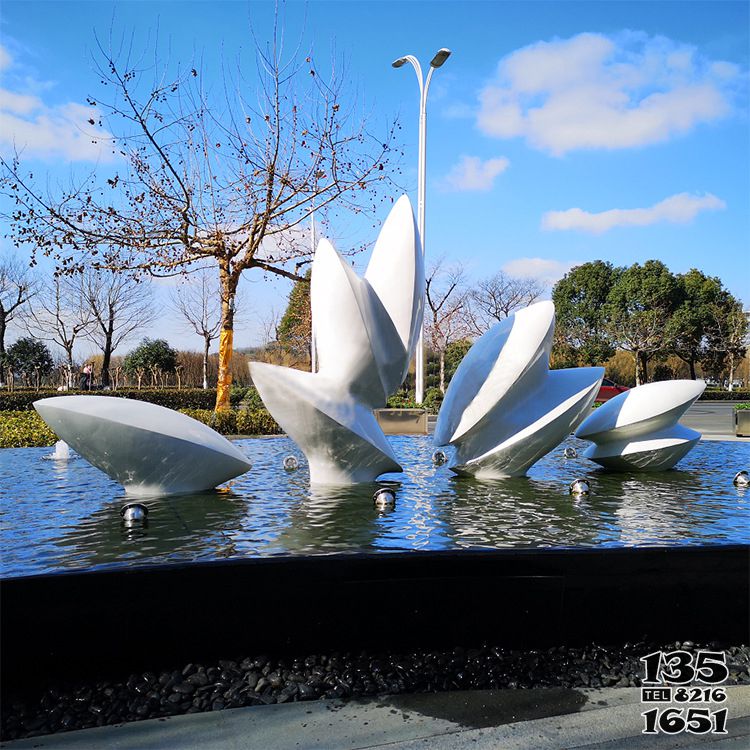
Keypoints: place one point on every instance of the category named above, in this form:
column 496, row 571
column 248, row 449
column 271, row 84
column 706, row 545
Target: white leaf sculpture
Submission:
column 148, row 449
column 366, row 331
column 638, row 430
column 504, row 408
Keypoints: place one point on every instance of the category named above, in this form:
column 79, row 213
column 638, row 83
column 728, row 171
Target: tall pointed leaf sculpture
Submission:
column 366, row 331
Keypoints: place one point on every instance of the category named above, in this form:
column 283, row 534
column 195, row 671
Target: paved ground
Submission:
column 551, row 719
column 713, row 419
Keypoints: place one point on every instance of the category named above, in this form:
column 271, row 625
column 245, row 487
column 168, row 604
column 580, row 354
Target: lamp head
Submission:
column 398, row 63
column 441, row 56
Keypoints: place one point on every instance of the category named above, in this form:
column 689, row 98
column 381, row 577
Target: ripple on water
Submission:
column 65, row 514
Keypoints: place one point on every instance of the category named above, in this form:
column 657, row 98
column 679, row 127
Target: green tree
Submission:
column 581, row 323
column 727, row 335
column 294, row 333
column 454, row 354
column 639, row 307
column 154, row 356
column 690, row 323
column 30, row 360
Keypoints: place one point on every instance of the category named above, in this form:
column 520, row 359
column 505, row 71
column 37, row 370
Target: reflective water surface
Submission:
column 66, row 514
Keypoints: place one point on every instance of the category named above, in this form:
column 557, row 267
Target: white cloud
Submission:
column 677, row 209
column 48, row 132
column 471, row 173
column 5, row 58
column 542, row 269
column 600, row 92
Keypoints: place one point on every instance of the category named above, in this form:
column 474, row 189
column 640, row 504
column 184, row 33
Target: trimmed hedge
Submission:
column 24, row 429
column 235, row 422
column 742, row 407
column 186, row 398
column 740, row 395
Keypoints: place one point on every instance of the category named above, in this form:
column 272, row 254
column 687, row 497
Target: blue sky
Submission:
column 558, row 132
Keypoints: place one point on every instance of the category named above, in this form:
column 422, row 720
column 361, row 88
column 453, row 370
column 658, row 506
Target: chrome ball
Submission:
column 291, row 463
column 384, row 498
column 439, row 458
column 741, row 479
column 570, row 453
column 579, row 487
column 134, row 513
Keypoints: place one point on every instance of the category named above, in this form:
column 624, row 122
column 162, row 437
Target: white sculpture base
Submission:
column 504, row 408
column 638, row 431
column 340, row 437
column 148, row 449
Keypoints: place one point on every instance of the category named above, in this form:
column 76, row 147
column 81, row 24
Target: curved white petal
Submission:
column 512, row 356
column 504, row 409
column 148, row 449
column 396, row 273
column 638, row 430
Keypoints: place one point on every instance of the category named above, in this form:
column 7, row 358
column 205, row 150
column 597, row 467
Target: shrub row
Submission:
column 433, row 398
column 742, row 395
column 237, row 422
column 24, row 429
column 186, row 398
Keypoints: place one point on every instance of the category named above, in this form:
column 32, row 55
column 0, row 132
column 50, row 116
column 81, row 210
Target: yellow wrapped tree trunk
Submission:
column 224, row 382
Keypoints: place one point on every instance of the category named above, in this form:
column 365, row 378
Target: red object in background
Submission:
column 609, row 389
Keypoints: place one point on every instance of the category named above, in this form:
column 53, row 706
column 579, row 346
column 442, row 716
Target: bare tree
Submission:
column 446, row 318
column 494, row 299
column 60, row 316
column 119, row 306
column 198, row 302
column 17, row 287
column 727, row 334
column 226, row 179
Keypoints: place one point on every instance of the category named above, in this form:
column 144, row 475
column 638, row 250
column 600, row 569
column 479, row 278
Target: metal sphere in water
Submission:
column 134, row 514
column 741, row 479
column 291, row 463
column 570, row 452
column 439, row 457
column 384, row 499
column 579, row 487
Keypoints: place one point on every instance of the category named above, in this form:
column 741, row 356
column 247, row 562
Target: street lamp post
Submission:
column 424, row 85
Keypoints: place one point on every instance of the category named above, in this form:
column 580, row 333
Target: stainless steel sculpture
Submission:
column 638, row 430
column 504, row 408
column 366, row 331
column 148, row 449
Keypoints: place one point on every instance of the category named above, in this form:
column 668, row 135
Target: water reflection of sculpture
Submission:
column 195, row 527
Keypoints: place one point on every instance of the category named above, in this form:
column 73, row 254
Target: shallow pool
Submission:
column 66, row 514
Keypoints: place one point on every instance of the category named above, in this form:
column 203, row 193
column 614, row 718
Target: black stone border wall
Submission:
column 97, row 624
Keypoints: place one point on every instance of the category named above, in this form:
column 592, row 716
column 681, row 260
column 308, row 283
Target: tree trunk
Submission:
column 638, row 372
column 206, row 347
column 107, row 352
column 69, row 352
column 226, row 336
column 644, row 366
column 731, row 373
column 442, row 371
column 2, row 348
column 691, row 363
